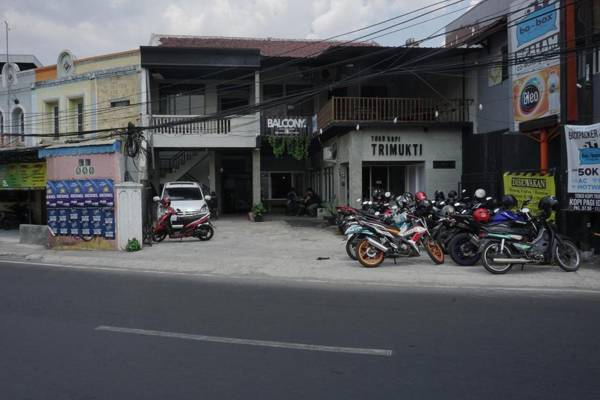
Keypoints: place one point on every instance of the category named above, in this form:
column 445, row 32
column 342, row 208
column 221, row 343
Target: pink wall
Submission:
column 105, row 166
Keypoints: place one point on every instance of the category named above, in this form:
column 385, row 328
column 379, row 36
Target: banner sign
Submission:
column 81, row 207
column 286, row 125
column 525, row 185
column 533, row 32
column 23, row 176
column 583, row 159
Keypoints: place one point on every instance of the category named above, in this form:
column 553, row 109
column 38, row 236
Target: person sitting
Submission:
column 310, row 203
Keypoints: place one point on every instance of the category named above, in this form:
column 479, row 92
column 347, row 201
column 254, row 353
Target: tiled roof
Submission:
column 269, row 47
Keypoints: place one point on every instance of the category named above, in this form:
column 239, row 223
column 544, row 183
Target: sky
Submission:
column 87, row 28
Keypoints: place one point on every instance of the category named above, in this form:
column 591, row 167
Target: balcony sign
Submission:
column 286, row 126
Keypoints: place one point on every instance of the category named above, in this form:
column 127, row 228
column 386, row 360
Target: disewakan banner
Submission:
column 583, row 158
column 526, row 185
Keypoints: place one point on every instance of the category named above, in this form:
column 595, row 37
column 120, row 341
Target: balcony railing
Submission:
column 240, row 131
column 377, row 109
column 215, row 126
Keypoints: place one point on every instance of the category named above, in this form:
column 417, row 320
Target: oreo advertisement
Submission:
column 583, row 158
column 534, row 44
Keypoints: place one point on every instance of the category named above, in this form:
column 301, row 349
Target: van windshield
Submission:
column 183, row 193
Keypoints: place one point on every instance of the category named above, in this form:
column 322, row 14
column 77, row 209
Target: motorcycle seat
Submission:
column 393, row 231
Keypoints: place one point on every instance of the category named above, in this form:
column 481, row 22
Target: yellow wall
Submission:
column 96, row 91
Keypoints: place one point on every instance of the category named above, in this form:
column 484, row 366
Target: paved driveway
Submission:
column 301, row 249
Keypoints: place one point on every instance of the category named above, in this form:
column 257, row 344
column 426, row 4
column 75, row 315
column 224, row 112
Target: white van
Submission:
column 187, row 199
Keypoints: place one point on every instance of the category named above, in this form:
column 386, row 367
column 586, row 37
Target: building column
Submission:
column 355, row 167
column 255, row 176
column 212, row 171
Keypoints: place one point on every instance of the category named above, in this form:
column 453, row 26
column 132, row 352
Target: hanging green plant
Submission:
column 296, row 146
column 278, row 145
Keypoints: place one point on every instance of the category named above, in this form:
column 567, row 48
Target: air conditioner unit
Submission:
column 329, row 153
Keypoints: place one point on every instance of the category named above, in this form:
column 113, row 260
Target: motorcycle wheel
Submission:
column 567, row 256
column 351, row 245
column 205, row 232
column 434, row 251
column 493, row 250
column 369, row 256
column 159, row 237
column 457, row 247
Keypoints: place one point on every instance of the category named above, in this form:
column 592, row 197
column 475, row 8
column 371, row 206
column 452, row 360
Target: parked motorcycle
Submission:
column 501, row 250
column 381, row 241
column 200, row 228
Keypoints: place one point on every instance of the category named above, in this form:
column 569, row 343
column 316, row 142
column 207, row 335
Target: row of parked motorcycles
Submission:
column 499, row 233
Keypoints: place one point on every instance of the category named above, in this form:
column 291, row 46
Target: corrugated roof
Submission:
column 98, row 146
column 268, row 47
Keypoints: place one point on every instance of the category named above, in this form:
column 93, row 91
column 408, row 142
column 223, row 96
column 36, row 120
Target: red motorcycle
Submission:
column 200, row 228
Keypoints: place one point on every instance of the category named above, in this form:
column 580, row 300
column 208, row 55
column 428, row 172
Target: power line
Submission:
column 266, row 104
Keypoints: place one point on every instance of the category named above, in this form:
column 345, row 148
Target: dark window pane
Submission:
column 281, row 183
column 183, row 193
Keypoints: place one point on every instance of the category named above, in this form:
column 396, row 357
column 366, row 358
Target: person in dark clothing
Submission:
column 310, row 203
column 291, row 202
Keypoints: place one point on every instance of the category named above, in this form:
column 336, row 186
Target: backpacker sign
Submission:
column 526, row 185
column 583, row 157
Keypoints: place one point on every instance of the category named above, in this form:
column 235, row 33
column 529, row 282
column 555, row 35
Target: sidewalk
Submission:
column 299, row 249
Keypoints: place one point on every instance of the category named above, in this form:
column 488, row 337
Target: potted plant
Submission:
column 257, row 212
column 329, row 212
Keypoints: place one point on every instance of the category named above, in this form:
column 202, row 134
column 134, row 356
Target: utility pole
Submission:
column 7, row 86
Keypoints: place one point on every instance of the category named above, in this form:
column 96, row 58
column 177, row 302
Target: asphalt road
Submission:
column 208, row 339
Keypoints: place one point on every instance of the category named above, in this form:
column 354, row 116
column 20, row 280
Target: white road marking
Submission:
column 249, row 342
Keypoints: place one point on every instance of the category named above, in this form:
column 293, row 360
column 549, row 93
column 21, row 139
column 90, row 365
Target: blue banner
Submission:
column 536, row 24
column 81, row 207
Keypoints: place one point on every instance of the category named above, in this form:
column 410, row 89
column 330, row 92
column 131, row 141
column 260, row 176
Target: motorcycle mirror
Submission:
column 376, row 213
column 358, row 200
column 463, row 191
column 156, row 199
column 488, row 198
column 525, row 210
column 178, row 210
column 456, row 204
column 207, row 197
column 496, row 210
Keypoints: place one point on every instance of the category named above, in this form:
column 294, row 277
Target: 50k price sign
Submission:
column 583, row 155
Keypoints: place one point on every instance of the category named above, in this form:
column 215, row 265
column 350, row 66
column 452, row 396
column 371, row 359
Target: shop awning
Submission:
column 80, row 149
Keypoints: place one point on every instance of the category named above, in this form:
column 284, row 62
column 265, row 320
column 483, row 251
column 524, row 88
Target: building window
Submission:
column 504, row 51
column 55, row 121
column 80, row 119
column 279, row 184
column 18, row 124
column 22, row 126
column 1, row 122
column 119, row 103
column 596, row 60
column 328, row 190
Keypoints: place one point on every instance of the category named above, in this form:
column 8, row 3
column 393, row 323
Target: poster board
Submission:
column 525, row 185
column 583, row 167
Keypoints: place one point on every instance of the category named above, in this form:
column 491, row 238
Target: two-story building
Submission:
column 370, row 122
column 22, row 174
